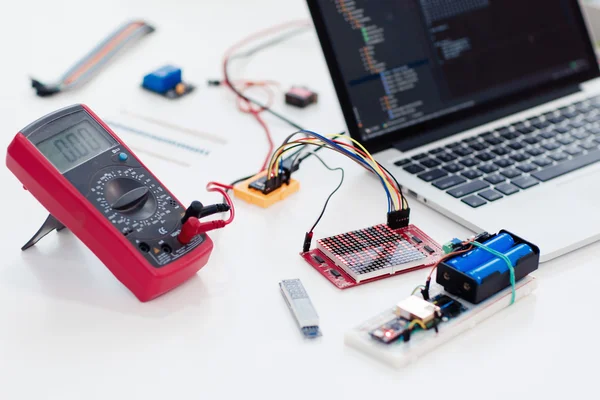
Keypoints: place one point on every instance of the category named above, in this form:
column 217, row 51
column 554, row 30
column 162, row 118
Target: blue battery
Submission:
column 476, row 257
column 499, row 265
column 163, row 79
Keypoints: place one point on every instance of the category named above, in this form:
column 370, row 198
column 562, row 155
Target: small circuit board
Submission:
column 166, row 81
column 251, row 191
column 301, row 307
column 371, row 254
column 384, row 336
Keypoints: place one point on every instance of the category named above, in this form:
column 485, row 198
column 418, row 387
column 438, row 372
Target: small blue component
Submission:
column 123, row 157
column 163, row 79
column 497, row 264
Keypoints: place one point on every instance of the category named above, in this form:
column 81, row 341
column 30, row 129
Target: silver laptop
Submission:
column 486, row 110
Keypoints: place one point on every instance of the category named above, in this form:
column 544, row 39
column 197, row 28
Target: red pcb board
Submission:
column 431, row 250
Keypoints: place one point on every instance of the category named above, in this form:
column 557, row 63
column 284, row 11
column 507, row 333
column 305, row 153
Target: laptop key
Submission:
column 488, row 168
column 504, row 162
column 577, row 124
column 453, row 145
column 593, row 118
column 531, row 140
column 594, row 131
column 551, row 146
column 534, row 151
column 447, row 183
column 420, row 156
column 541, row 124
column 468, row 188
column 559, row 156
column 468, row 162
column 542, row 162
column 567, row 166
column 510, row 135
column 429, row 163
column 474, row 201
column 519, row 157
column 525, row 182
column 565, row 140
column 452, row 168
column 490, row 195
column 432, row 175
column 414, row 169
column 507, row 189
column 462, row 151
column 446, row 157
column 471, row 174
column 510, row 173
column 515, row 145
column 557, row 119
column 573, row 151
column 525, row 129
column 569, row 113
column 527, row 167
column 500, row 151
column 561, row 129
column 495, row 179
column 588, row 145
column 402, row 162
column 548, row 133
column 485, row 156
column 437, row 151
column 477, row 146
column 580, row 134
column 493, row 140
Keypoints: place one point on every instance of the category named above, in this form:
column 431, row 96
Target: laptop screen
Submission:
column 399, row 64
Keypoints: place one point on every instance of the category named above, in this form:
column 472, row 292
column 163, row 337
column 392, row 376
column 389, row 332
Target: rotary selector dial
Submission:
column 133, row 201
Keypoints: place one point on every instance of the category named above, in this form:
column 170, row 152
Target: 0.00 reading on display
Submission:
column 75, row 145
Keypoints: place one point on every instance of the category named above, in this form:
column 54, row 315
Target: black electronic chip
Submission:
column 417, row 240
column 429, row 249
column 335, row 273
column 318, row 259
column 258, row 184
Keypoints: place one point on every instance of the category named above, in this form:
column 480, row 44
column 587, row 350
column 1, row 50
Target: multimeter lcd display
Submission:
column 75, row 145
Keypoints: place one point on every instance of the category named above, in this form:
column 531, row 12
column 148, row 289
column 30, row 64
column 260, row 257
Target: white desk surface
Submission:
column 70, row 330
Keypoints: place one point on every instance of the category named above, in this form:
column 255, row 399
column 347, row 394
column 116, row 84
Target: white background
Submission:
column 69, row 330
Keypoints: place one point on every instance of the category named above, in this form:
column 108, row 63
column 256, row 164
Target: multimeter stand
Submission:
column 48, row 226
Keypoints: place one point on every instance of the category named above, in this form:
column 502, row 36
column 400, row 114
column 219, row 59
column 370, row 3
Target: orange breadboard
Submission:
column 253, row 196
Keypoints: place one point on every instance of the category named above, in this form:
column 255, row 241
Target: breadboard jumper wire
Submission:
column 97, row 58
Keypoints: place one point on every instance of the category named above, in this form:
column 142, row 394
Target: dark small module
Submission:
column 300, row 97
column 167, row 82
column 335, row 273
column 319, row 259
column 429, row 249
column 258, row 184
column 449, row 307
column 417, row 240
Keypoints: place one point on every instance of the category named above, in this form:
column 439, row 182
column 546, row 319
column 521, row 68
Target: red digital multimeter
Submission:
column 93, row 184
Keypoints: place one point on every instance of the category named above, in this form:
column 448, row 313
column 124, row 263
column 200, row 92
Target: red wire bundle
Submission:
column 243, row 104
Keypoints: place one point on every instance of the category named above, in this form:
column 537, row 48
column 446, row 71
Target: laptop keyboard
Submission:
column 511, row 159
